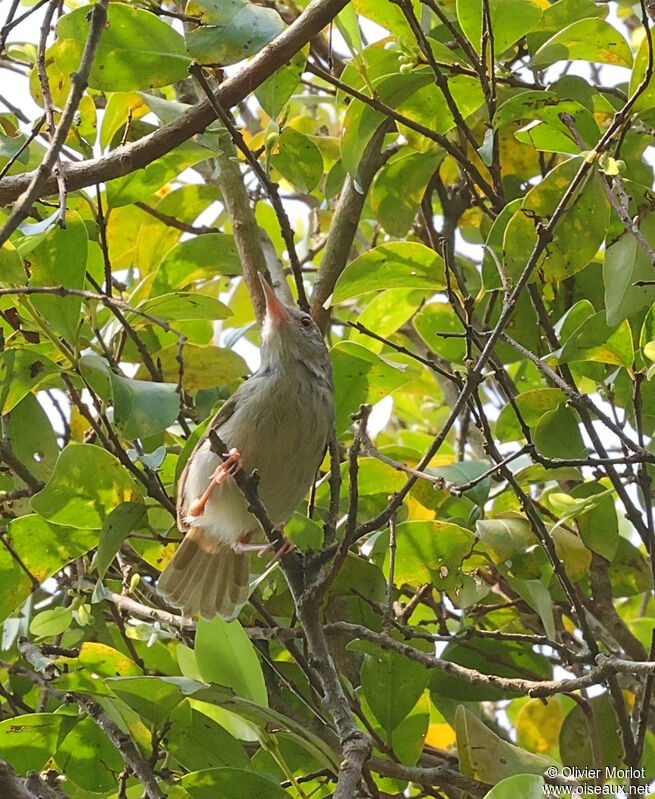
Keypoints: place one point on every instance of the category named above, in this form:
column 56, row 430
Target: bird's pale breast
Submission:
column 281, row 427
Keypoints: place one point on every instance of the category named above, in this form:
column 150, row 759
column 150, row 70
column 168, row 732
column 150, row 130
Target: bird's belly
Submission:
column 284, row 442
column 288, row 462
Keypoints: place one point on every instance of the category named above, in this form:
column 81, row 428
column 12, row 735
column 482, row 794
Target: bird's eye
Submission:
column 306, row 321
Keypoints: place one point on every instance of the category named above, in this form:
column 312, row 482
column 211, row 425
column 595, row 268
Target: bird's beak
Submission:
column 275, row 310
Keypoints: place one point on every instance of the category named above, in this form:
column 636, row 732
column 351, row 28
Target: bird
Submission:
column 278, row 422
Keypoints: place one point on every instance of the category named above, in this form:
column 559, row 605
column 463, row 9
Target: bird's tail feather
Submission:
column 206, row 576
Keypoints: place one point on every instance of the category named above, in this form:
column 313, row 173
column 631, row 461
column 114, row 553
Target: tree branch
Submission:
column 344, row 226
column 139, row 154
column 79, row 81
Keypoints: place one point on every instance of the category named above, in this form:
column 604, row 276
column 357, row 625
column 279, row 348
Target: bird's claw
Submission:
column 227, row 468
column 286, row 546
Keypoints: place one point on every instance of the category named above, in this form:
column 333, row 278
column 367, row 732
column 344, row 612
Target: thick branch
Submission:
column 31, row 787
column 139, row 154
column 244, row 224
column 344, row 226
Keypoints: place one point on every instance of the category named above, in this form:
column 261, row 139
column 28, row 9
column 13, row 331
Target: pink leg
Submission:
column 244, row 545
column 229, row 466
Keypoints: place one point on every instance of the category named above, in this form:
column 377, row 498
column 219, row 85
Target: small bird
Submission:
column 277, row 422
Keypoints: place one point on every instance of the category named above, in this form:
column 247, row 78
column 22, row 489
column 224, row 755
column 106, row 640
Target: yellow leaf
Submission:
column 539, row 724
column 440, row 736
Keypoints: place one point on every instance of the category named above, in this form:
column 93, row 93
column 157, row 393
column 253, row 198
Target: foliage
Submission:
column 464, row 192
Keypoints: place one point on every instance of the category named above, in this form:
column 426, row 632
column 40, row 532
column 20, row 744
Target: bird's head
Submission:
column 290, row 336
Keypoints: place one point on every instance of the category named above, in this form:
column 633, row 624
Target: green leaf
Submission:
column 393, row 265
column 44, row 549
column 386, row 15
column 511, row 542
column 431, row 552
column 226, row 657
column 547, row 107
column 275, row 91
column 230, row 30
column 204, row 367
column 428, row 106
column 584, row 223
column 391, row 683
column 374, row 477
column 12, row 271
column 494, row 244
column 595, row 340
column 358, row 571
column 408, row 738
column 137, row 49
column 487, row 757
column 535, row 593
column 230, row 783
column 51, row 622
column 22, row 370
column 181, row 306
column 87, row 484
column 598, row 526
column 532, row 405
column 141, row 183
column 436, row 318
column 647, row 98
column 591, row 39
column 361, row 121
column 204, row 743
column 386, row 312
column 202, row 257
column 153, row 698
column 304, row 532
column 298, row 159
column 575, row 745
column 27, row 744
column 95, row 660
column 558, row 16
column 629, row 571
column 88, row 758
column 527, row 786
column 143, row 408
column 120, row 106
column 116, row 527
column 60, row 260
column 510, row 20
column 557, row 434
column 572, row 552
column 32, row 439
column 399, row 187
column 362, row 376
column 626, row 263
column 463, row 472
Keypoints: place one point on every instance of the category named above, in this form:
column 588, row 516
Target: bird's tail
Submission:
column 206, row 576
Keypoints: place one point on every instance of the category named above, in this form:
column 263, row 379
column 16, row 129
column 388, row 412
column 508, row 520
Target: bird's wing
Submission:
column 222, row 415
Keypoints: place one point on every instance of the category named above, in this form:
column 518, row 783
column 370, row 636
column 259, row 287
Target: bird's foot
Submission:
column 244, row 545
column 229, row 467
